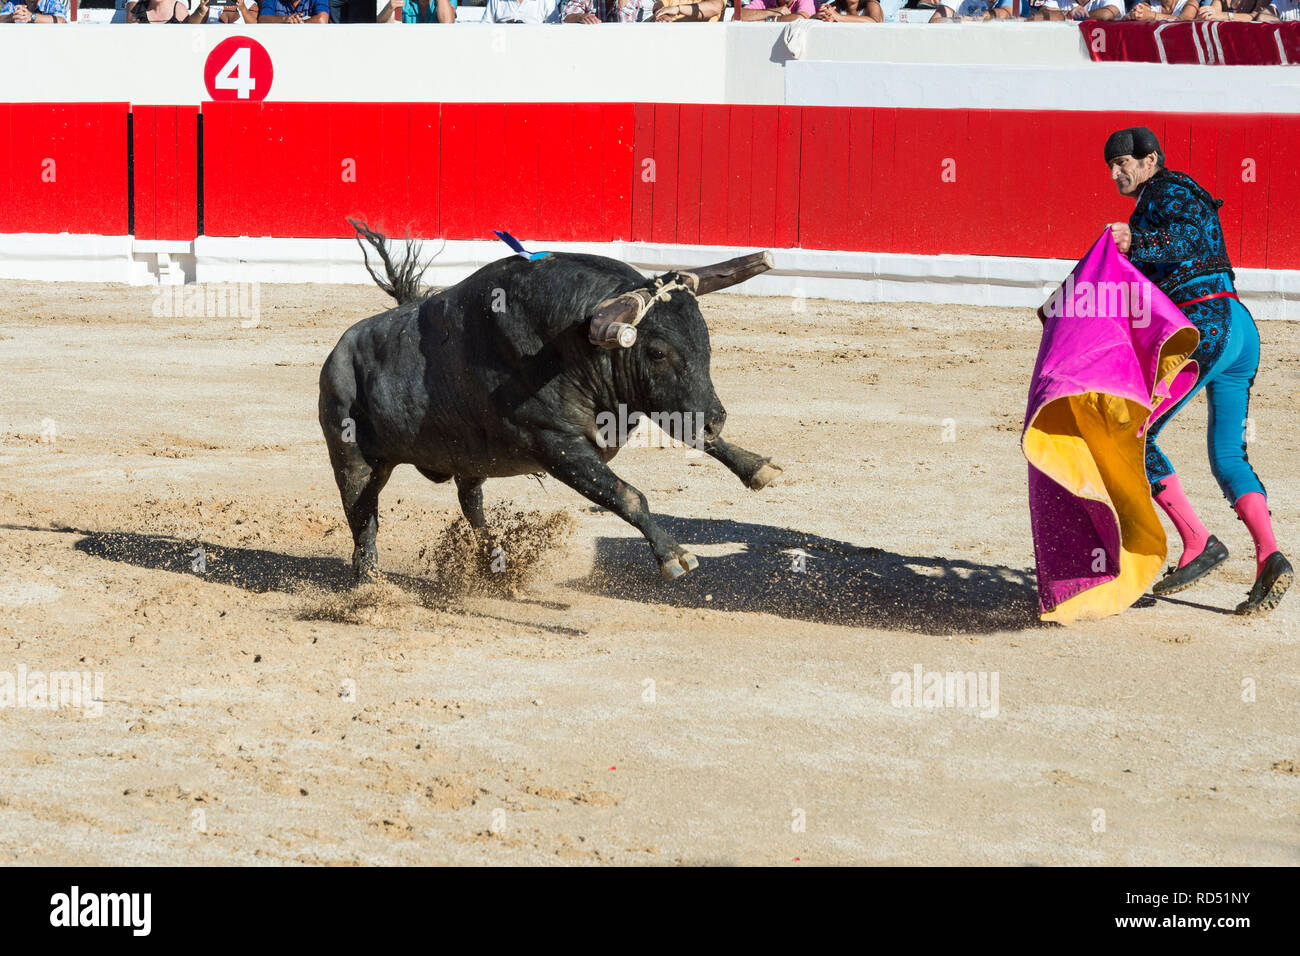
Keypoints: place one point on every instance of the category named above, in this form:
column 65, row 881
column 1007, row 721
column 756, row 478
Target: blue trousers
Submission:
column 1229, row 358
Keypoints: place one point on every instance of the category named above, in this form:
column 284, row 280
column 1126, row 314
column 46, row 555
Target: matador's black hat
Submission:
column 1136, row 141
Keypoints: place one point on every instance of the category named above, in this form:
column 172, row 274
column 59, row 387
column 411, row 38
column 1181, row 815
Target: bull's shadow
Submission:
column 261, row 571
column 840, row 583
column 252, row 569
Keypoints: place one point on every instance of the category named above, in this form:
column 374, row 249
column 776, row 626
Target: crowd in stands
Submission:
column 665, row 11
column 1244, row 10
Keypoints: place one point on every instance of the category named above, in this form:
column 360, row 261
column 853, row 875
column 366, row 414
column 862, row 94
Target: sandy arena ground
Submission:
column 602, row 715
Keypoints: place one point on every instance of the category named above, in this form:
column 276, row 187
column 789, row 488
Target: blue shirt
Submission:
column 53, row 8
column 411, row 11
column 283, row 8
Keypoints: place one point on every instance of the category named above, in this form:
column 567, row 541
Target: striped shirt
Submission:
column 608, row 11
column 53, row 8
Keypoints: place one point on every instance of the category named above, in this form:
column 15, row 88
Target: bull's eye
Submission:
column 657, row 355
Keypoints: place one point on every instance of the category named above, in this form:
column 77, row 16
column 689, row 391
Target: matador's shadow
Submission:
column 840, row 583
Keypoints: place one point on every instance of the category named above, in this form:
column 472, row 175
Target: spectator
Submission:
column 601, row 11
column 971, row 10
column 1164, row 10
column 945, row 10
column 860, row 11
column 1240, row 10
column 294, row 11
column 1052, row 9
column 522, row 11
column 1285, row 10
column 706, row 10
column 1081, row 10
column 237, row 12
column 418, row 11
column 34, row 11
column 157, row 11
column 781, row 10
column 1103, row 10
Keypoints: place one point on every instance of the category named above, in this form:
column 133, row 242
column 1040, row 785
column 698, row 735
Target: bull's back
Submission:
column 412, row 381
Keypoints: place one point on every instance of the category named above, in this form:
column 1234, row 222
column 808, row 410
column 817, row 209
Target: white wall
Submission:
column 1078, row 86
column 381, row 62
column 980, row 65
column 675, row 63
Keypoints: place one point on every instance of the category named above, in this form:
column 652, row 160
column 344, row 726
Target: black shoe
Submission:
column 1271, row 584
column 1180, row 579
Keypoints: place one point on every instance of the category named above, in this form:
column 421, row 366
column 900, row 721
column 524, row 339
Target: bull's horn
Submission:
column 613, row 324
column 723, row 275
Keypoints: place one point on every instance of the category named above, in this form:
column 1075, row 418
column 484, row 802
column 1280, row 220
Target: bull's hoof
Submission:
column 678, row 565
column 365, row 571
column 765, row 475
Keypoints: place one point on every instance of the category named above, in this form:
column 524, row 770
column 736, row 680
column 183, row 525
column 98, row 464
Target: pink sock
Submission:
column 1180, row 511
column 1253, row 509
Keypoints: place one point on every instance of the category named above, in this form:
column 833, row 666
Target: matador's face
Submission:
column 1130, row 173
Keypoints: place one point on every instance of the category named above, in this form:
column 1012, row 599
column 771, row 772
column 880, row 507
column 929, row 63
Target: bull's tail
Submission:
column 404, row 275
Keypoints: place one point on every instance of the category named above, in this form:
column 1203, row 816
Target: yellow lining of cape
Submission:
column 1090, row 445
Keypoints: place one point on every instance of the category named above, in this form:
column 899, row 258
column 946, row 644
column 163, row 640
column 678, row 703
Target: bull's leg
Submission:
column 470, row 493
column 577, row 465
column 359, row 484
column 754, row 470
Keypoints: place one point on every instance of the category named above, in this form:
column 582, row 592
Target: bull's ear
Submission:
column 613, row 323
column 723, row 275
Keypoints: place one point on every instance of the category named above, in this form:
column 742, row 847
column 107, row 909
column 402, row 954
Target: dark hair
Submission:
column 1136, row 141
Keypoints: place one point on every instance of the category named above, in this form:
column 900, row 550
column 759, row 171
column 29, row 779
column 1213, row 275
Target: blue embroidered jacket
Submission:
column 1178, row 245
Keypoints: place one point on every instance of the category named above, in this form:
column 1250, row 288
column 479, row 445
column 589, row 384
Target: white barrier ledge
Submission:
column 68, row 258
column 801, row 273
column 806, row 273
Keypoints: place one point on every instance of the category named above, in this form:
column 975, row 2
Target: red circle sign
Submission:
column 238, row 68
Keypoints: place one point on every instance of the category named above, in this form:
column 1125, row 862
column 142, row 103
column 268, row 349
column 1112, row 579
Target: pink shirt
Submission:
column 796, row 6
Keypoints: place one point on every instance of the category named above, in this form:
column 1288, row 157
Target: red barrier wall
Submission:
column 64, row 168
column 924, row 182
column 562, row 171
column 165, row 172
column 985, row 182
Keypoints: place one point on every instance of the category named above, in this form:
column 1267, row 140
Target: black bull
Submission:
column 506, row 374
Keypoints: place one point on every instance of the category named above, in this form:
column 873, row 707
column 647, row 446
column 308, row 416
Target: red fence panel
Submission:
column 555, row 192
column 715, row 173
column 617, row 171
column 643, row 170
column 165, row 171
column 786, row 166
column 302, row 169
column 666, row 158
column 1283, row 181
column 65, row 168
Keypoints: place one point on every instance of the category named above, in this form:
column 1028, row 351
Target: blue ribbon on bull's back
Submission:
column 518, row 246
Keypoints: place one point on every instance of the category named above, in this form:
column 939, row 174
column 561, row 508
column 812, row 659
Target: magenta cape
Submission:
column 1113, row 358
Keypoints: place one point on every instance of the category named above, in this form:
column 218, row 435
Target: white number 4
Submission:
column 237, row 74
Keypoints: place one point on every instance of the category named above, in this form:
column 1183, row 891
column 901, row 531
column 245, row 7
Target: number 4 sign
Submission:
column 238, row 68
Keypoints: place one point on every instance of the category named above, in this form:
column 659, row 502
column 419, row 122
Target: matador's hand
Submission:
column 1122, row 235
